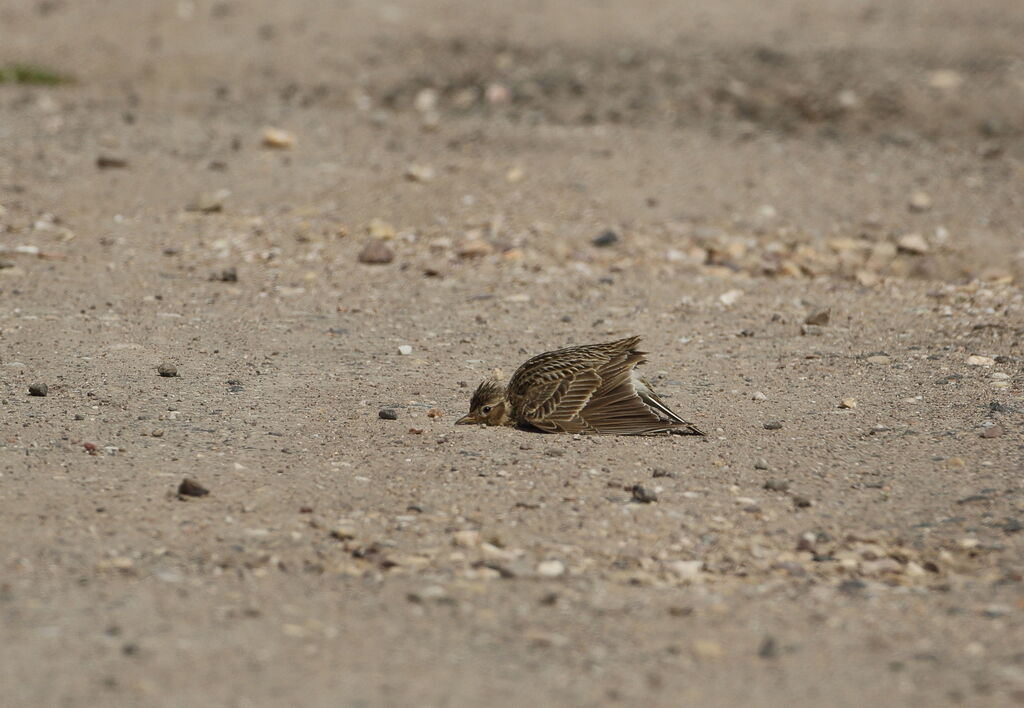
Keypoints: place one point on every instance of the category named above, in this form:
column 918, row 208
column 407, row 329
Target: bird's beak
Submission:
column 466, row 420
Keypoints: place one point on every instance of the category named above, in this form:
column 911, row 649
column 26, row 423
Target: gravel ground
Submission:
column 255, row 256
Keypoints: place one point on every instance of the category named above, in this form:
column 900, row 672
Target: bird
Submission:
column 589, row 389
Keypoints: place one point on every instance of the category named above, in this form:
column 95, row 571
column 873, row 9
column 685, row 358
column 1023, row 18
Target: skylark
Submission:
column 590, row 389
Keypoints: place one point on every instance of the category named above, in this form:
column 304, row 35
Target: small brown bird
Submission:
column 590, row 389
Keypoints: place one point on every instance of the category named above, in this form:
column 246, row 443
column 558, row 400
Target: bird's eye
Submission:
column 486, row 409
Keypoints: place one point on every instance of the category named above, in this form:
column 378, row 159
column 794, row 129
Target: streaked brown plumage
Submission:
column 589, row 389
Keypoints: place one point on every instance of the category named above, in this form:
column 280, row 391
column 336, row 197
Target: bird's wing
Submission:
column 555, row 406
column 626, row 404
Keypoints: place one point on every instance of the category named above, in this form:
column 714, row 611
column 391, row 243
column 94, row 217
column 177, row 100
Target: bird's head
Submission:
column 488, row 405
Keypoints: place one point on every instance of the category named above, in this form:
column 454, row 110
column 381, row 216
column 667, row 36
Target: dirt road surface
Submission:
column 813, row 212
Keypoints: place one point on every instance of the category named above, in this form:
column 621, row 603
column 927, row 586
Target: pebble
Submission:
column 405, row 350
column 376, row 253
column 776, row 485
column 730, row 297
column 227, row 275
column 387, row 414
column 994, row 431
column 191, row 488
column 687, row 570
column 758, row 396
column 167, row 370
column 475, row 248
column 605, row 238
column 109, row 162
column 420, row 173
column 435, row 413
column 210, row 202
column 551, row 568
column 661, row 472
column 848, row 403
column 913, row 244
column 801, row 502
column 773, row 425
column 820, row 317
column 811, row 330
column 277, row 138
column 919, row 201
column 644, row 495
column 878, row 359
column 978, row 360
column 38, row 389
column 760, row 464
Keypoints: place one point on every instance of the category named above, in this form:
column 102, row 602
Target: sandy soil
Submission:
column 757, row 162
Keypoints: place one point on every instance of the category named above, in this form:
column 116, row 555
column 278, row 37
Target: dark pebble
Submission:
column 769, row 648
column 79, row 416
column 997, row 407
column 228, row 275
column 554, row 452
column 376, row 253
column 167, row 370
column 38, row 389
column 659, row 472
column 106, row 162
column 388, row 414
column 605, row 238
column 1012, row 525
column 643, row 494
column 819, row 318
column 235, row 389
column 777, row 485
column 191, row 488
column 852, row 587
column 773, row 425
column 801, row 502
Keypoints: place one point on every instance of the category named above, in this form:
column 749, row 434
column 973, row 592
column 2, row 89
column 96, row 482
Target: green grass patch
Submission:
column 32, row 75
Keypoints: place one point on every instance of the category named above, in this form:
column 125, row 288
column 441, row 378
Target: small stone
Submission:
column 551, row 568
column 801, row 502
column 605, row 238
column 820, row 317
column 475, row 248
column 660, row 472
column 227, row 275
column 643, row 495
column 730, row 297
column 387, row 414
column 758, row 396
column 913, row 244
column 210, row 202
column 419, row 173
column 435, row 413
column 687, row 570
column 514, row 175
column 994, row 431
column 776, row 485
column 769, row 648
column 773, row 425
column 277, row 138
column 760, row 464
column 978, row 360
column 955, row 463
column 811, row 330
column 38, row 389
column 376, row 253
column 157, row 433
column 405, row 350
column 191, row 488
column 167, row 370
column 108, row 162
column 848, row 403
column 919, row 201
column 878, row 359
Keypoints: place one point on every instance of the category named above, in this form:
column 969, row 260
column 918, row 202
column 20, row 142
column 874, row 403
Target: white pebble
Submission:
column 405, row 350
